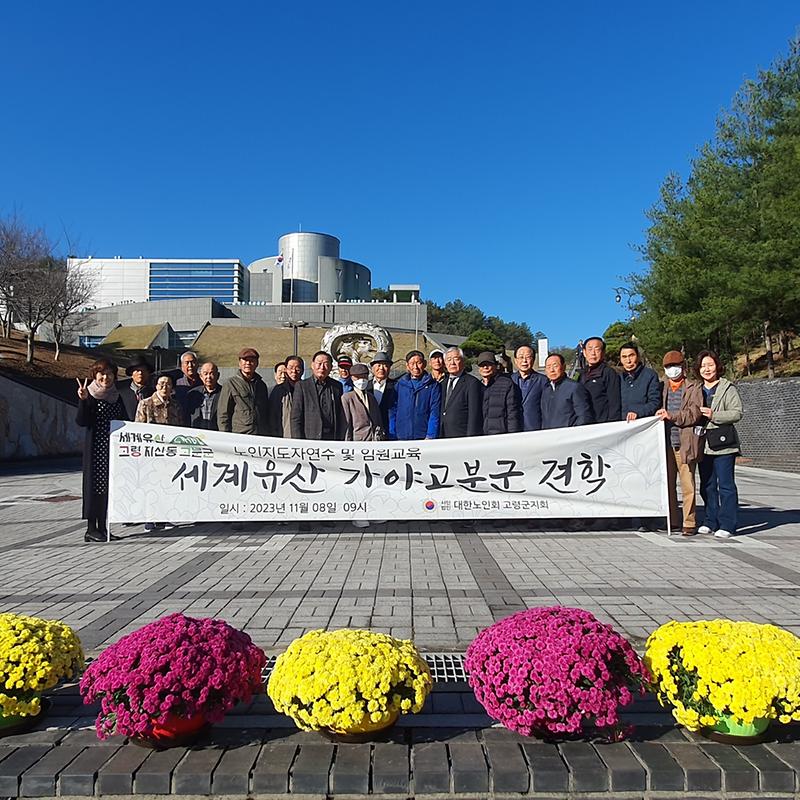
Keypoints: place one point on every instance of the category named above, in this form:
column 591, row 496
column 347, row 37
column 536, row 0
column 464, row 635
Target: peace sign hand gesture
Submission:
column 83, row 390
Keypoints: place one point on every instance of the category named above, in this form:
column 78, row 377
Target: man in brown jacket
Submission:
column 362, row 414
column 681, row 401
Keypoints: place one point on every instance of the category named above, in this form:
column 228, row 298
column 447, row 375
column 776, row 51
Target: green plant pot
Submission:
column 729, row 731
column 11, row 724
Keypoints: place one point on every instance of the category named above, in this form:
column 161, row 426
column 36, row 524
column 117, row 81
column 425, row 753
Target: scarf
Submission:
column 110, row 395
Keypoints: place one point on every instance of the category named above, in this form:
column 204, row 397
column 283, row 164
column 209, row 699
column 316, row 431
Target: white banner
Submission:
column 160, row 473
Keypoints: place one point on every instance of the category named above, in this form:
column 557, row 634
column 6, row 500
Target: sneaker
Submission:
column 168, row 526
column 704, row 529
column 722, row 534
column 360, row 523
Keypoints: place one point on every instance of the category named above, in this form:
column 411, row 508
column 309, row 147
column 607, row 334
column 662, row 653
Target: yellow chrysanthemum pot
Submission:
column 363, row 731
column 35, row 655
column 727, row 679
column 349, row 683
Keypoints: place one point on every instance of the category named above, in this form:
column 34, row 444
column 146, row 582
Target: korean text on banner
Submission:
column 615, row 469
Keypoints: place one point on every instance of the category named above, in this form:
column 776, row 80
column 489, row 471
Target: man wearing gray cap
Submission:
column 383, row 387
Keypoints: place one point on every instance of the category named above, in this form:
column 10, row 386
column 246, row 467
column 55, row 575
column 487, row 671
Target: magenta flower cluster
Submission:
column 547, row 670
column 176, row 665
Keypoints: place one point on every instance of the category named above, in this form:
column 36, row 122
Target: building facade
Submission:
column 137, row 280
column 307, row 269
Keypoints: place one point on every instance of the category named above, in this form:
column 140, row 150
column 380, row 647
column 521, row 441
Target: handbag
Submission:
column 721, row 437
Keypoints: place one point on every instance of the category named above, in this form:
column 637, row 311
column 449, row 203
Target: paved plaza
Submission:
column 411, row 579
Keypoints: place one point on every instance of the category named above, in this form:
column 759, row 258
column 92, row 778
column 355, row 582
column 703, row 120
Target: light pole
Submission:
column 416, row 323
column 294, row 324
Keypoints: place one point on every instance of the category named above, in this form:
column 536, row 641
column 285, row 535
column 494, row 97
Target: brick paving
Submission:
column 419, row 580
column 408, row 579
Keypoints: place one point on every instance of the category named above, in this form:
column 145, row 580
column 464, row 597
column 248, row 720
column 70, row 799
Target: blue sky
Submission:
column 501, row 153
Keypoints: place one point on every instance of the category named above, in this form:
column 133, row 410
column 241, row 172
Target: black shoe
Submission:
column 105, row 536
column 93, row 536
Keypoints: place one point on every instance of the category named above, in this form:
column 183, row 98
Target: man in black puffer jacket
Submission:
column 502, row 401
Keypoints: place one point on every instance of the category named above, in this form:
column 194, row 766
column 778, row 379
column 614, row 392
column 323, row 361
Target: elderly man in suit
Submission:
column 317, row 403
column 531, row 385
column 383, row 387
column 462, row 399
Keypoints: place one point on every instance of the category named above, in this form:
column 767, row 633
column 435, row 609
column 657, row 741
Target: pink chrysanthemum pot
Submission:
column 171, row 671
column 550, row 671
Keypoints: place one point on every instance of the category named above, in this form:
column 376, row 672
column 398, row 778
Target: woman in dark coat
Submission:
column 98, row 403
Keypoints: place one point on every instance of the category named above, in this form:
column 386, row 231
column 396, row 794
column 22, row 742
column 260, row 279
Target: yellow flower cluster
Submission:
column 348, row 680
column 35, row 654
column 707, row 669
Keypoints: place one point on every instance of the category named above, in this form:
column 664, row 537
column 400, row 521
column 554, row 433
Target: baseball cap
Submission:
column 436, row 352
column 486, row 358
column 344, row 361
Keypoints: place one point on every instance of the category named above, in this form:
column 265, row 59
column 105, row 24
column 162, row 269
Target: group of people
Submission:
column 435, row 398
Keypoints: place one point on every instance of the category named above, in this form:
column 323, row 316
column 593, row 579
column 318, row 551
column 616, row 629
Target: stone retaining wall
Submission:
column 34, row 424
column 770, row 429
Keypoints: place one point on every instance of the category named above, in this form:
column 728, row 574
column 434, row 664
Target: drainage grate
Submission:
column 445, row 667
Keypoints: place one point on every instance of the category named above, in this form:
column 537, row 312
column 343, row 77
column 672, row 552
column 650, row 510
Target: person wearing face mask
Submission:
column 682, row 399
column 362, row 414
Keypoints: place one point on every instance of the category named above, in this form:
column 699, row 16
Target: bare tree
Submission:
column 75, row 288
column 28, row 277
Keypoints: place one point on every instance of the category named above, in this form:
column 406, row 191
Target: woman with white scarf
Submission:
column 98, row 403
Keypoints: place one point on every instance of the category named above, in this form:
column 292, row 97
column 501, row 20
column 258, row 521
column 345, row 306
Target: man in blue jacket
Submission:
column 418, row 399
column 565, row 403
column 530, row 385
column 640, row 388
